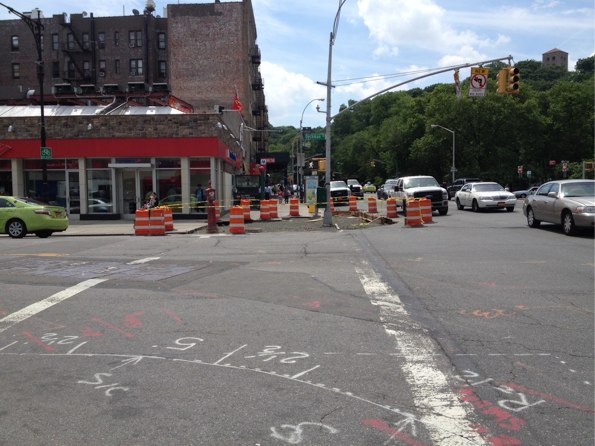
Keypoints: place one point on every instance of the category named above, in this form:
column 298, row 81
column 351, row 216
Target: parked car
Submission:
column 381, row 192
column 569, row 203
column 369, row 187
column 525, row 192
column 390, row 187
column 355, row 187
column 340, row 193
column 20, row 216
column 419, row 187
column 485, row 195
column 457, row 184
column 175, row 202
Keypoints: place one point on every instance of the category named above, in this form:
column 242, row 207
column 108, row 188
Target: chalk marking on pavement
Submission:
column 141, row 261
column 444, row 415
column 37, row 307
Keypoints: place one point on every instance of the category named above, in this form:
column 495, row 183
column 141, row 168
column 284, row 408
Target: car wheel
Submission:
column 474, row 206
column 43, row 234
column 16, row 228
column 460, row 207
column 510, row 208
column 443, row 211
column 568, row 225
column 531, row 220
column 523, row 195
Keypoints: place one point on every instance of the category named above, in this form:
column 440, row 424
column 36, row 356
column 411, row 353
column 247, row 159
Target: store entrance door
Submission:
column 135, row 184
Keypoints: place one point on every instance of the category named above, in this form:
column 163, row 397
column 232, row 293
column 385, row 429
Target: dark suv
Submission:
column 458, row 183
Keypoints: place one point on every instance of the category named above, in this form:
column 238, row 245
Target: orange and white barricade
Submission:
column 391, row 207
column 273, row 209
column 264, row 210
column 245, row 203
column 413, row 213
column 156, row 221
column 168, row 218
column 236, row 220
column 352, row 203
column 372, row 208
column 425, row 205
column 294, row 207
column 141, row 222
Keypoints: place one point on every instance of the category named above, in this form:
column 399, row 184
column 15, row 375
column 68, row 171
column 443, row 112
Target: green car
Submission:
column 20, row 216
column 369, row 187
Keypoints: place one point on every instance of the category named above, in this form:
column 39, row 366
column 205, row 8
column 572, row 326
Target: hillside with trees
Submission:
column 551, row 120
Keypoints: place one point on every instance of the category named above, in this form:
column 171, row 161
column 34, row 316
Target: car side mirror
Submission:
column 552, row 194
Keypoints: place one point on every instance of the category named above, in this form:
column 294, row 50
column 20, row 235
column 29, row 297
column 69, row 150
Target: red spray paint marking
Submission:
column 503, row 418
column 549, row 397
column 173, row 315
column 132, row 320
column 38, row 341
column 394, row 433
column 313, row 304
column 89, row 332
column 111, row 326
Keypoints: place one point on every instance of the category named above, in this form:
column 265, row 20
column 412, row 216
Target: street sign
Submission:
column 479, row 80
column 316, row 136
column 45, row 153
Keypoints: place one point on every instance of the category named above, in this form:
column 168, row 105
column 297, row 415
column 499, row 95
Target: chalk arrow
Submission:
column 132, row 360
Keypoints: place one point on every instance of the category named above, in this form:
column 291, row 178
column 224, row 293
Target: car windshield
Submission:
column 421, row 182
column 30, row 201
column 336, row 184
column 488, row 187
column 582, row 189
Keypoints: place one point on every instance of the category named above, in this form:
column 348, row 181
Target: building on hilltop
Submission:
column 132, row 103
column 555, row 57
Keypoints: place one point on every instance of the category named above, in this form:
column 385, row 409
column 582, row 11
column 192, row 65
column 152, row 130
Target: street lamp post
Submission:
column 327, row 219
column 300, row 151
column 453, row 168
column 36, row 28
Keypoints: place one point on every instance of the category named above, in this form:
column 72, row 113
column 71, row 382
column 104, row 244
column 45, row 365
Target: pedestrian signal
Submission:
column 513, row 80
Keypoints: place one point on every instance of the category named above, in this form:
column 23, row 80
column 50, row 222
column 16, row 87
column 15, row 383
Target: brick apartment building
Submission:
column 132, row 103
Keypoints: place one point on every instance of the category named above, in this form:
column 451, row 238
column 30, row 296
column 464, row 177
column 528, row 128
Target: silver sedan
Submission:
column 484, row 195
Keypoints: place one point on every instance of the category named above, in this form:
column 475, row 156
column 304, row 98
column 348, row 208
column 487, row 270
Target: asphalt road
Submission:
column 474, row 329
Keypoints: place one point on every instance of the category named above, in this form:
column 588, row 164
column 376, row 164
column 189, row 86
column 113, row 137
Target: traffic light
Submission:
column 501, row 78
column 512, row 85
column 322, row 164
column 373, row 163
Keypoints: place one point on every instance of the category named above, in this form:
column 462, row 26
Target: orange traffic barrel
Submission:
column 141, row 222
column 331, row 204
column 413, row 213
column 352, row 203
column 264, row 210
column 156, row 221
column 372, row 208
column 391, row 207
column 273, row 210
column 294, row 207
column 425, row 206
column 245, row 203
column 168, row 218
column 236, row 220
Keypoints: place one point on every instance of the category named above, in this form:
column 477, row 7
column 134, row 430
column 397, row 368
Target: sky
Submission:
column 378, row 44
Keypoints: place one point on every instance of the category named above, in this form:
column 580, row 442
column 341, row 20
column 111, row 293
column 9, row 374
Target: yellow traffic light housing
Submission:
column 513, row 80
column 502, row 78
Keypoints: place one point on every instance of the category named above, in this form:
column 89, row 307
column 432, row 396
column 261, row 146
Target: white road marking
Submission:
column 37, row 307
column 445, row 417
column 145, row 260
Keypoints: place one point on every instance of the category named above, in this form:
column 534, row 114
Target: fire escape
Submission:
column 259, row 109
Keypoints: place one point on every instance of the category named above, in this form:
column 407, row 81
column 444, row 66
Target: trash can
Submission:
column 321, row 197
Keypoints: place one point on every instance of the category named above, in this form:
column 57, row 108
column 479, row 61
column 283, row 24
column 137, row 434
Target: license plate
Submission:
column 501, row 204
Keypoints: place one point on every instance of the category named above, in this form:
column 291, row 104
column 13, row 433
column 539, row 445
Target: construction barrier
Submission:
column 141, row 222
column 273, row 210
column 372, row 208
column 332, row 206
column 168, row 218
column 236, row 220
column 245, row 203
column 217, row 210
column 294, row 207
column 264, row 210
column 413, row 213
column 391, row 207
column 425, row 205
column 352, row 203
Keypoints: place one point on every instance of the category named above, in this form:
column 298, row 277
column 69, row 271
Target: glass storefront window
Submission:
column 5, row 178
column 169, row 188
column 99, row 186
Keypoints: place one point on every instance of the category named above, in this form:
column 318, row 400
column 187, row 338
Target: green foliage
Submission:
column 552, row 118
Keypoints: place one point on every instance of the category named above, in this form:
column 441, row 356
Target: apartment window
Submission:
column 161, row 41
column 16, row 70
column 136, row 67
column 86, row 41
column 117, row 66
column 71, row 70
column 14, row 43
column 135, row 38
column 70, row 41
column 101, row 40
column 86, row 69
column 116, row 38
column 102, row 68
column 162, row 67
column 55, row 42
column 55, row 69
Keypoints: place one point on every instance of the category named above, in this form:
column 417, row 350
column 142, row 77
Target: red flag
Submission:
column 237, row 105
